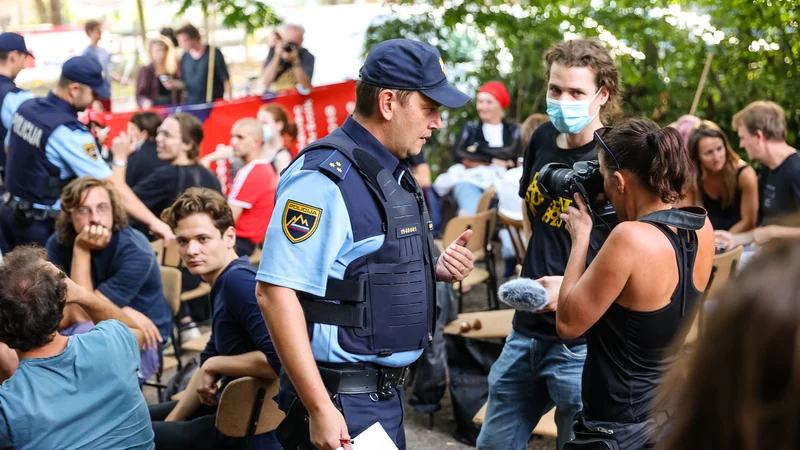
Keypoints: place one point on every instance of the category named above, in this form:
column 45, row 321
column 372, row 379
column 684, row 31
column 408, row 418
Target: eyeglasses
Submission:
column 85, row 211
column 599, row 133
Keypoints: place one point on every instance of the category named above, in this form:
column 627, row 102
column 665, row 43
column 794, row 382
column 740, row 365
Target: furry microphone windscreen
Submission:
column 523, row 294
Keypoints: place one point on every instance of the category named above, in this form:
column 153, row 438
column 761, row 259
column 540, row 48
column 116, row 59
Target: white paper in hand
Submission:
column 374, row 438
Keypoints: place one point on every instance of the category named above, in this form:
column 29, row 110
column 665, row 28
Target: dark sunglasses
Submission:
column 598, row 134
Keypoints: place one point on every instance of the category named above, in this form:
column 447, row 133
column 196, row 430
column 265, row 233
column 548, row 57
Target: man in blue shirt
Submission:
column 47, row 147
column 239, row 345
column 98, row 250
column 68, row 392
column 350, row 253
column 12, row 60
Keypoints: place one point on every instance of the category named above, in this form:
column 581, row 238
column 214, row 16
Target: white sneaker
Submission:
column 190, row 332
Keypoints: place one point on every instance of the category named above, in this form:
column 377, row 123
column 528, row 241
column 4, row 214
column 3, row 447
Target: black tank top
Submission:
column 628, row 351
column 723, row 218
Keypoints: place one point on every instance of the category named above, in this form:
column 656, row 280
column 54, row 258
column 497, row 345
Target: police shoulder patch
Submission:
column 91, row 150
column 300, row 221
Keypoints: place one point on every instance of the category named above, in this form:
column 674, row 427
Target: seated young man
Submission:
column 239, row 345
column 252, row 196
column 67, row 392
column 97, row 249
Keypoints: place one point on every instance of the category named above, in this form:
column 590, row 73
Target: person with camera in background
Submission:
column 537, row 368
column 640, row 289
column 293, row 66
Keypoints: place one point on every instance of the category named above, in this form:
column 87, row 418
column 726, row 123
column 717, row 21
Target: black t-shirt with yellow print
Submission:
column 550, row 244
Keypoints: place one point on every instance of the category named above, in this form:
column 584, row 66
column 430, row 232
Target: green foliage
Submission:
column 660, row 50
column 250, row 14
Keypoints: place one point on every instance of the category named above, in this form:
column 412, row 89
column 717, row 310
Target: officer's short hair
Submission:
column 367, row 98
column 191, row 132
column 189, row 30
column 766, row 116
column 4, row 56
column 147, row 121
column 200, row 201
column 71, row 198
column 32, row 299
column 92, row 25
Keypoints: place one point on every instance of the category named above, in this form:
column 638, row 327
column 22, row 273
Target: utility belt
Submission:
column 340, row 378
column 26, row 212
column 361, row 378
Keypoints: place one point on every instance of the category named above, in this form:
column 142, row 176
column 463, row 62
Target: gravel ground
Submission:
column 418, row 435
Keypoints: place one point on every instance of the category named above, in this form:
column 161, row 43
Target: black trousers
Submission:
column 196, row 433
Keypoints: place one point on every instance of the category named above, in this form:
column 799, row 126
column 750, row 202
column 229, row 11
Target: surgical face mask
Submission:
column 267, row 133
column 571, row 116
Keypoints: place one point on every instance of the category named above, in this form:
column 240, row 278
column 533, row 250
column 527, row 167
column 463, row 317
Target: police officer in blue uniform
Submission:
column 48, row 147
column 350, row 263
column 12, row 60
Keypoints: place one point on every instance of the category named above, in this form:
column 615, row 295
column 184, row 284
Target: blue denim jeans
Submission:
column 467, row 197
column 529, row 378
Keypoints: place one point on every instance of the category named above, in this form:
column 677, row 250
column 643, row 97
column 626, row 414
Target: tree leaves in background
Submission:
column 251, row 14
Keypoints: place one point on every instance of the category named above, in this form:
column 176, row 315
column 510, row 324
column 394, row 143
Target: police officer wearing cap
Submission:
column 352, row 265
column 12, row 60
column 48, row 147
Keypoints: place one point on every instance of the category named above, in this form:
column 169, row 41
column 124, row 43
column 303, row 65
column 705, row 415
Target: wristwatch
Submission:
column 119, row 163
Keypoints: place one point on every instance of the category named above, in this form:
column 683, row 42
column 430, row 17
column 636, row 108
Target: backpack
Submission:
column 180, row 380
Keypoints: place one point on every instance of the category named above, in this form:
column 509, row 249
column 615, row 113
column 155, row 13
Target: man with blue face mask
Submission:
column 537, row 369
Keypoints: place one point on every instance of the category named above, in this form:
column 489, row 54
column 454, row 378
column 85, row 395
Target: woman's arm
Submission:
column 748, row 208
column 586, row 294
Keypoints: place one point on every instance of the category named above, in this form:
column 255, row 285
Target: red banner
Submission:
column 316, row 115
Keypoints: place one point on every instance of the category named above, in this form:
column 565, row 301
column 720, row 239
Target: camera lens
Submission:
column 555, row 180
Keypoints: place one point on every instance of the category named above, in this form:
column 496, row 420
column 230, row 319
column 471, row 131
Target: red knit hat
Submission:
column 497, row 90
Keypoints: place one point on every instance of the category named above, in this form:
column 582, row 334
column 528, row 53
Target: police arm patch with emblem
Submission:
column 300, row 221
column 91, row 150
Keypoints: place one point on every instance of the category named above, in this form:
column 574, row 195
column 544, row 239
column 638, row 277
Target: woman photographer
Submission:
column 633, row 299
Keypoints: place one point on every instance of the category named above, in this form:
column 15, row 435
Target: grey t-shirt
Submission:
column 105, row 62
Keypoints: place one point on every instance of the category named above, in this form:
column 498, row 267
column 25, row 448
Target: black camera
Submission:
column 290, row 47
column 558, row 180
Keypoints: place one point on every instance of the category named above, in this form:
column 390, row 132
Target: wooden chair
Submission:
column 723, row 269
column 519, row 238
column 171, row 286
column 246, row 408
column 482, row 226
column 485, row 202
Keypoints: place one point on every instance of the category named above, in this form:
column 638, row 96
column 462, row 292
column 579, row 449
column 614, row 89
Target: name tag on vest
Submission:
column 407, row 230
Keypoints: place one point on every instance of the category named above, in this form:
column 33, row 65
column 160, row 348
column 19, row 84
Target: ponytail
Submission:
column 656, row 156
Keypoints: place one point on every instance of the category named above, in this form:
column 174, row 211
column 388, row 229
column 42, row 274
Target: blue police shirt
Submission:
column 126, row 272
column 70, row 147
column 9, row 105
column 332, row 242
column 85, row 397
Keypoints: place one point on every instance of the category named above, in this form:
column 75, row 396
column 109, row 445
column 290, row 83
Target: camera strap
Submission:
column 689, row 218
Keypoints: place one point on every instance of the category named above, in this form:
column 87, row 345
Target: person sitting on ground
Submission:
column 142, row 131
column 97, row 249
column 150, row 89
column 252, row 195
column 288, row 64
column 483, row 150
column 725, row 185
column 752, row 339
column 631, row 315
column 240, row 344
column 279, row 131
column 762, row 134
column 68, row 392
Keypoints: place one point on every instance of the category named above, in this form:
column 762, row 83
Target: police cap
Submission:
column 10, row 42
column 86, row 70
column 410, row 65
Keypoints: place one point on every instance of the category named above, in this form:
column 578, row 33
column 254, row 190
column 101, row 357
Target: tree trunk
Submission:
column 41, row 11
column 55, row 12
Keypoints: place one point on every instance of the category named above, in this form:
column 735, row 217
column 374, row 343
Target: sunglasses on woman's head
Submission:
column 598, row 134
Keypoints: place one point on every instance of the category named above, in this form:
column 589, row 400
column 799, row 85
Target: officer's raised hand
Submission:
column 456, row 261
column 328, row 430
